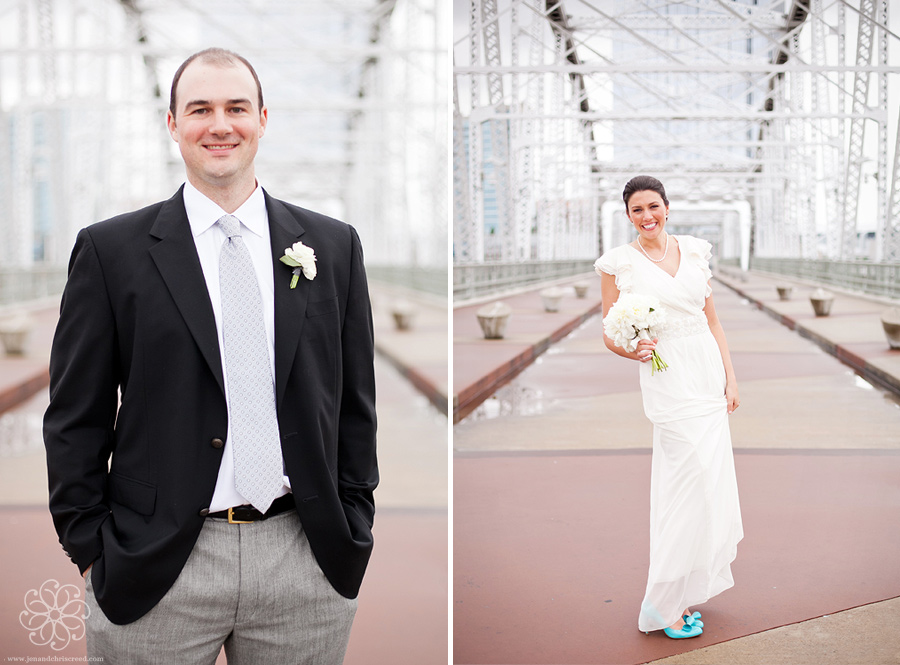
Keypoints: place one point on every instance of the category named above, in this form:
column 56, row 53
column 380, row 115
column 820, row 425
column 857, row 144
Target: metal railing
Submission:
column 429, row 280
column 482, row 279
column 880, row 279
column 25, row 284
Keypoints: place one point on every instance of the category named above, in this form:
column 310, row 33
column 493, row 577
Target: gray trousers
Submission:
column 254, row 588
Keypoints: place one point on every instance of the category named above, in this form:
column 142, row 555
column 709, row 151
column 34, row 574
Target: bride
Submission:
column 695, row 519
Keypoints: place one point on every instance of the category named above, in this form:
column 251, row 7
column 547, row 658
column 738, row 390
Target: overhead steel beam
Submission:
column 307, row 50
column 685, row 167
column 892, row 223
column 490, row 30
column 690, row 115
column 853, row 173
column 682, row 86
column 668, row 68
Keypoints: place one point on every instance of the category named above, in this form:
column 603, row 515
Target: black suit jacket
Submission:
column 136, row 376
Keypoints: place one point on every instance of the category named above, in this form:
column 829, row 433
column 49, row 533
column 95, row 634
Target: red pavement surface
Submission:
column 403, row 606
column 402, row 617
column 551, row 551
column 480, row 366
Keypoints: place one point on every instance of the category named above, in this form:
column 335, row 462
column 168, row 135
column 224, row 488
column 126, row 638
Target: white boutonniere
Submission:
column 302, row 259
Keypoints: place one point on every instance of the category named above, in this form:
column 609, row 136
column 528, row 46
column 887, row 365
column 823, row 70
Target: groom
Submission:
column 211, row 430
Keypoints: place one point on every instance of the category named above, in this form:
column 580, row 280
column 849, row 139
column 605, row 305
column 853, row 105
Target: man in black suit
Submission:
column 152, row 431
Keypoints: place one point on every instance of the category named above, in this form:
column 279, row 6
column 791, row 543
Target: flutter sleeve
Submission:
column 700, row 252
column 616, row 262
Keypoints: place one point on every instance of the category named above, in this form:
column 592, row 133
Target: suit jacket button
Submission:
column 217, row 443
column 204, row 512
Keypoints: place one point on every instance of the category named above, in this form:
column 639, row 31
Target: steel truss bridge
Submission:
column 768, row 121
column 358, row 98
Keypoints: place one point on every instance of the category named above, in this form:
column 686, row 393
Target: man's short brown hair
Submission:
column 214, row 56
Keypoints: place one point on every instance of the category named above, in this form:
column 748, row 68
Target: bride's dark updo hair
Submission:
column 644, row 183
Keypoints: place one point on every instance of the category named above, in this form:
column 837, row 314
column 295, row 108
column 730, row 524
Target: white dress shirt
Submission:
column 202, row 215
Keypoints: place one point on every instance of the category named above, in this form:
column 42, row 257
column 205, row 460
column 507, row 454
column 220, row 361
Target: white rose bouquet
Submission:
column 632, row 318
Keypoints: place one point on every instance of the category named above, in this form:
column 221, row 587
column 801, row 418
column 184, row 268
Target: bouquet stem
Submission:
column 657, row 363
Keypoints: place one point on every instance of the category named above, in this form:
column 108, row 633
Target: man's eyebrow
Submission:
column 206, row 102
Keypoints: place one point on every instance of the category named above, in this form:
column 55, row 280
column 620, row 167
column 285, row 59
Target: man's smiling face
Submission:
column 217, row 125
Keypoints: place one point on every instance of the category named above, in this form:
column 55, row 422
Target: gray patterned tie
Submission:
column 253, row 424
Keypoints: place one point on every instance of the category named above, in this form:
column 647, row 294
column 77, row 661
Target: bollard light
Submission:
column 403, row 312
column 821, row 302
column 14, row 332
column 493, row 319
column 890, row 321
column 551, row 298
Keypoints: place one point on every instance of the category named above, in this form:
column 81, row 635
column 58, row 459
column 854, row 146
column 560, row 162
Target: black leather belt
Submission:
column 248, row 514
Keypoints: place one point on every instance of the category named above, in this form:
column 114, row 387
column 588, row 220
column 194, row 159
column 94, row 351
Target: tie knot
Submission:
column 231, row 225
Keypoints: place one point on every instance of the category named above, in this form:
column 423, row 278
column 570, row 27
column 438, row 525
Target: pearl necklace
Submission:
column 650, row 257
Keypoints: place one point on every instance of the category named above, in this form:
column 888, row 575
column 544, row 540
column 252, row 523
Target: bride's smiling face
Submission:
column 648, row 213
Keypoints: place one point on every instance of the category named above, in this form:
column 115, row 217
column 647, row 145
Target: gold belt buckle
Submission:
column 231, row 519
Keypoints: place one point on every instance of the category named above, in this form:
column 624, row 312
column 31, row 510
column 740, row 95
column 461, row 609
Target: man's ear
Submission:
column 263, row 120
column 170, row 123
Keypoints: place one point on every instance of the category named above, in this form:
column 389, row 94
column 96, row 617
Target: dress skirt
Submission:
column 695, row 519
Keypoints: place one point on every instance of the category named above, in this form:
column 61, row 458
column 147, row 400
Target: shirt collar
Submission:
column 203, row 213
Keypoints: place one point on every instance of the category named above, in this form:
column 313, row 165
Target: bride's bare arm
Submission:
column 609, row 293
column 715, row 326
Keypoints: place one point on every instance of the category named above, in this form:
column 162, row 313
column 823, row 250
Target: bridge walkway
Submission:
column 551, row 497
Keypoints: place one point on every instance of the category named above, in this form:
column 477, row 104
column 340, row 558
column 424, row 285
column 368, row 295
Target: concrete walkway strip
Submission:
column 868, row 636
column 421, row 352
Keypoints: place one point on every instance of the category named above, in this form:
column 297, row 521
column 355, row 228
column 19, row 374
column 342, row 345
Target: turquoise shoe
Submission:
column 686, row 631
column 693, row 619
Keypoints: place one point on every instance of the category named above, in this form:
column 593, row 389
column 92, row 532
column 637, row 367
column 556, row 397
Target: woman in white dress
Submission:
column 695, row 519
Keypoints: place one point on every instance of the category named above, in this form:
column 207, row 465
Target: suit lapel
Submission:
column 176, row 259
column 290, row 304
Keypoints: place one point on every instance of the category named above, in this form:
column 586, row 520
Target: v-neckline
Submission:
column 656, row 265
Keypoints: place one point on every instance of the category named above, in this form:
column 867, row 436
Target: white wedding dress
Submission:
column 695, row 518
